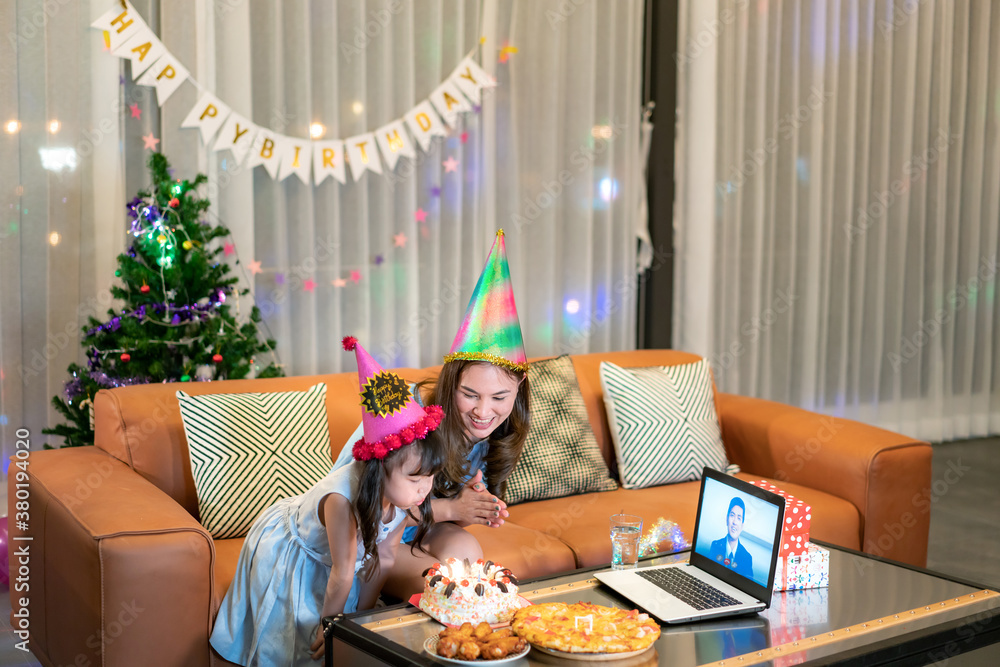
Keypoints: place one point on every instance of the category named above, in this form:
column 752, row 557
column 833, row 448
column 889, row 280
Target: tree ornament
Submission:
column 217, row 358
column 145, row 288
column 187, row 245
column 162, row 239
column 185, row 378
column 175, row 202
column 126, row 357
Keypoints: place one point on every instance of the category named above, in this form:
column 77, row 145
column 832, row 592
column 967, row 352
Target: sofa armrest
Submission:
column 116, row 571
column 887, row 476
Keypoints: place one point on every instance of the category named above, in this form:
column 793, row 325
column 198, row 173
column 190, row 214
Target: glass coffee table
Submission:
column 874, row 612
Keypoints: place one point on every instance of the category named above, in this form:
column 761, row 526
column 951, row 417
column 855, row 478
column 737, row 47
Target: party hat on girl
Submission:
column 390, row 415
column 491, row 331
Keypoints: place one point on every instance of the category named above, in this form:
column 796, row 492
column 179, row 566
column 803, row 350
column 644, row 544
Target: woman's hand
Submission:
column 318, row 647
column 475, row 505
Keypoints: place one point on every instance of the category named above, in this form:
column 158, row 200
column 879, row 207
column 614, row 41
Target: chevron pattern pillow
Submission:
column 250, row 450
column 663, row 422
column 560, row 456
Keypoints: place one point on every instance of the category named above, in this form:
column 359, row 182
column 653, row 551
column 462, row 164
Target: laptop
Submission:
column 734, row 554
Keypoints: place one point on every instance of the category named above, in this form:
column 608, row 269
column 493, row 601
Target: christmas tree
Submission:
column 177, row 323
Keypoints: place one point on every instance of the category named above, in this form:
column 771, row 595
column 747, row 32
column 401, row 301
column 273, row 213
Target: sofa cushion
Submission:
column 582, row 522
column 663, row 423
column 251, row 450
column 560, row 456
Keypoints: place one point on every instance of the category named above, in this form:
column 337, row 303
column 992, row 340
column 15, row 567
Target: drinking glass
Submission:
column 625, row 532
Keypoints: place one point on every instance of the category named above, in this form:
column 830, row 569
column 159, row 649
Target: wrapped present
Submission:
column 795, row 523
column 807, row 570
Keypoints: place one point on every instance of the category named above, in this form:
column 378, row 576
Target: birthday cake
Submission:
column 459, row 592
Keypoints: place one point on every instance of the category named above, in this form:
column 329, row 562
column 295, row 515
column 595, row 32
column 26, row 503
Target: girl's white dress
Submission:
column 271, row 613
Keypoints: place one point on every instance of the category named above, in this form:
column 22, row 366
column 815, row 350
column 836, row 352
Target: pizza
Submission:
column 585, row 628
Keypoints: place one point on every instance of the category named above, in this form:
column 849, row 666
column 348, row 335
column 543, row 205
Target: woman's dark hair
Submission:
column 506, row 441
column 371, row 490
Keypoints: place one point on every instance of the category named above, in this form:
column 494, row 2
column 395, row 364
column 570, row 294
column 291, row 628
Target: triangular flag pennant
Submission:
column 237, row 135
column 328, row 160
column 120, row 24
column 449, row 101
column 142, row 48
column 363, row 155
column 167, row 75
column 265, row 151
column 394, row 142
column 471, row 78
column 296, row 158
column 424, row 124
column 207, row 115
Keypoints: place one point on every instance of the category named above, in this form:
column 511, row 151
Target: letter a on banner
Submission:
column 237, row 135
column 394, row 143
column 472, row 79
column 363, row 155
column 142, row 48
column 207, row 115
column 328, row 160
column 424, row 124
column 167, row 74
column 119, row 24
column 449, row 102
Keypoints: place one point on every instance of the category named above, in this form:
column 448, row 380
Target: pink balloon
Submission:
column 4, row 564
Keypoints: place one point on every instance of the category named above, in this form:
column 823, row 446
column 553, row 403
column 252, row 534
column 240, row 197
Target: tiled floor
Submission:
column 964, row 541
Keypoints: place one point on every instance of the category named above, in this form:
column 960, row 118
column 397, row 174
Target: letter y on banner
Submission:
column 472, row 79
column 237, row 135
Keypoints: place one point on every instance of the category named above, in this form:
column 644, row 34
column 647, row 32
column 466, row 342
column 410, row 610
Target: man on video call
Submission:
column 728, row 550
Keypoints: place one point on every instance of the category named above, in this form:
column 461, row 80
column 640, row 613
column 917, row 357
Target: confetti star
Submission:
column 279, row 278
column 151, row 141
column 338, row 282
column 420, row 215
column 451, row 164
column 228, row 249
column 121, row 79
column 400, row 240
column 136, row 111
column 254, row 267
column 308, row 285
column 379, row 259
column 435, row 191
column 356, row 276
column 476, row 108
column 506, row 52
column 464, row 137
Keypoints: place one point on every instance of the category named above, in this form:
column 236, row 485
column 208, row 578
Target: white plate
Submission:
column 431, row 647
column 591, row 657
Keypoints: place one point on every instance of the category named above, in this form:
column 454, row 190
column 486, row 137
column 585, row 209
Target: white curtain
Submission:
column 553, row 157
column 839, row 206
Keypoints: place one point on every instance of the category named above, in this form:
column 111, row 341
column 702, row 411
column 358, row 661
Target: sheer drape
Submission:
column 552, row 157
column 848, row 260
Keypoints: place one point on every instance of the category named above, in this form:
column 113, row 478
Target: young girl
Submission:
column 329, row 550
column 484, row 388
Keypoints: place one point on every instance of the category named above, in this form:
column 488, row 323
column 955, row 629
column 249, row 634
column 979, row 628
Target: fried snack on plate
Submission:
column 468, row 650
column 447, row 647
column 585, row 628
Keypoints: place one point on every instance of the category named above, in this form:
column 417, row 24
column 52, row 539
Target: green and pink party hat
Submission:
column 491, row 331
column 390, row 415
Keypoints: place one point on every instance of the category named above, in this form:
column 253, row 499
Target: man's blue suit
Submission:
column 744, row 561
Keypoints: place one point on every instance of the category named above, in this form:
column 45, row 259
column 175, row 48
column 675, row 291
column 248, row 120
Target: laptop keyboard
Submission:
column 686, row 588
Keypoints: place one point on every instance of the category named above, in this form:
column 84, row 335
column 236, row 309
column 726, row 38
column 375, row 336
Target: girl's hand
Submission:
column 318, row 647
column 475, row 505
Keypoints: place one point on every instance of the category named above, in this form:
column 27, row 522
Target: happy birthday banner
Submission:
column 222, row 128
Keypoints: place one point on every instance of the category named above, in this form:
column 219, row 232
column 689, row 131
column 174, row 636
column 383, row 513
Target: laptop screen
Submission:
column 737, row 530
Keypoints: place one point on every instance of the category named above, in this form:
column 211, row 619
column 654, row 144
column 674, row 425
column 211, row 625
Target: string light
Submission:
column 54, row 126
column 357, row 107
column 317, row 130
column 55, row 238
column 13, row 126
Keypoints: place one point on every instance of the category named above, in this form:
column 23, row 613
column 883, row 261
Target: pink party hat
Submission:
column 390, row 415
column 491, row 331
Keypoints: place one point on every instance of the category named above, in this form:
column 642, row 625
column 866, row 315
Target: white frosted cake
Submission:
column 458, row 592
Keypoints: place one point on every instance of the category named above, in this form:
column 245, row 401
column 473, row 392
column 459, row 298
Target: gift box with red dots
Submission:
column 795, row 524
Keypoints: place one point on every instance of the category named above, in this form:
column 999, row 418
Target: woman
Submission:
column 483, row 388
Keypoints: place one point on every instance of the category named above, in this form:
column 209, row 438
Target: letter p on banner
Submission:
column 207, row 115
column 167, row 74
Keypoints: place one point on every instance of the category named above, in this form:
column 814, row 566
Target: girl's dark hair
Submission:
column 506, row 441
column 371, row 490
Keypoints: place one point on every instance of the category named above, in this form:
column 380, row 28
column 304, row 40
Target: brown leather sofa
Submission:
column 122, row 573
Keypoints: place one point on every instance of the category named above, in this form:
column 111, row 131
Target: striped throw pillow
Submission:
column 250, row 450
column 663, row 422
column 560, row 456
